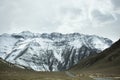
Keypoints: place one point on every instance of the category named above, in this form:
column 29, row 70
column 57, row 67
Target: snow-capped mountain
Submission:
column 49, row 52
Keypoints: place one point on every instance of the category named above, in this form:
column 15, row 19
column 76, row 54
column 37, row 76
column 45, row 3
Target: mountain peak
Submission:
column 25, row 32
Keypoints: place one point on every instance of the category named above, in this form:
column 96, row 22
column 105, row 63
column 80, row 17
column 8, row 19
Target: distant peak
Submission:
column 56, row 34
column 26, row 32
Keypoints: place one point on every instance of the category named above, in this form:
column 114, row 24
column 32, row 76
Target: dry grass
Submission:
column 40, row 76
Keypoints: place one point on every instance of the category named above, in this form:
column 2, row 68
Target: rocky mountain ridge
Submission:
column 49, row 52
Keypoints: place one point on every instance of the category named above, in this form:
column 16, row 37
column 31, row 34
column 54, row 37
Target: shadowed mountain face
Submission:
column 106, row 61
column 49, row 52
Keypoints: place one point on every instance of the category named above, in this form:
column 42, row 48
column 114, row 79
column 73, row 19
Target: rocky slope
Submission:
column 105, row 62
column 49, row 52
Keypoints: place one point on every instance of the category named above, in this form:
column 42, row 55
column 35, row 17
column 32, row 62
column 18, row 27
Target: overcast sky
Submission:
column 99, row 17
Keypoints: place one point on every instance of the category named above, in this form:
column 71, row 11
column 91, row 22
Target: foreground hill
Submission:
column 107, row 61
column 10, row 71
column 9, row 67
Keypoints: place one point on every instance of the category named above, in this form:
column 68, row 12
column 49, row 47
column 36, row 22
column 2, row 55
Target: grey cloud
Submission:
column 116, row 3
column 102, row 17
column 6, row 16
column 116, row 24
column 74, row 11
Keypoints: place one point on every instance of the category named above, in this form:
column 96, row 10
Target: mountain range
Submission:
column 49, row 52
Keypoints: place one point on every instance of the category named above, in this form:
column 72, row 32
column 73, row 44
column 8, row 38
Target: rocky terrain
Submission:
column 49, row 52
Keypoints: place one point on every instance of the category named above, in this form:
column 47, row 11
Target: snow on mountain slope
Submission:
column 6, row 44
column 49, row 52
